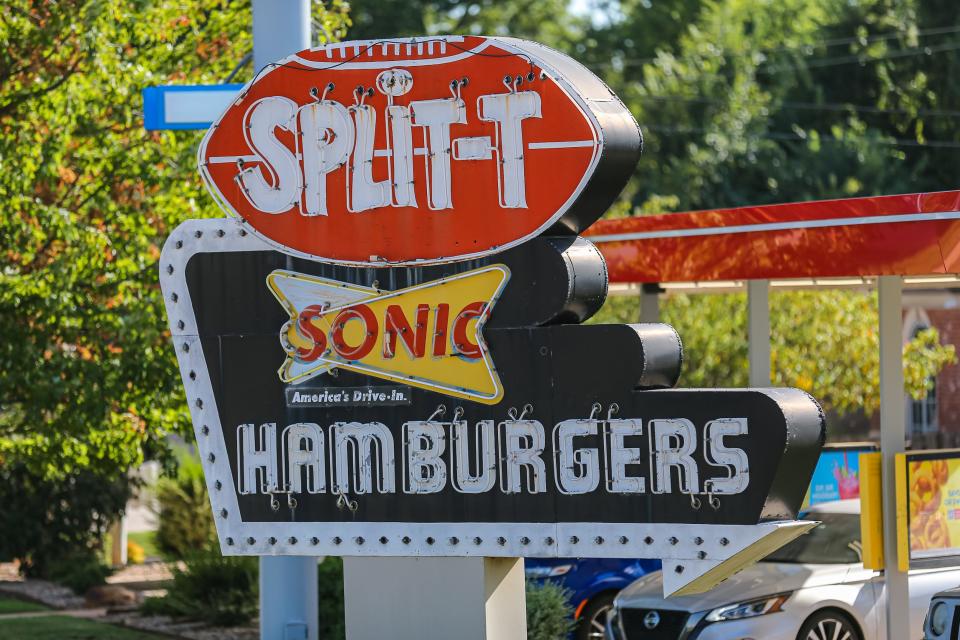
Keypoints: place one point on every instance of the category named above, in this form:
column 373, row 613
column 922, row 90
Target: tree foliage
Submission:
column 87, row 197
column 824, row 342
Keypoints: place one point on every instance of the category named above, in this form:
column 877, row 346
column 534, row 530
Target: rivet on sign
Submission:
column 624, row 540
column 272, row 540
column 199, row 403
column 501, row 541
column 648, row 540
column 548, row 541
column 454, row 540
column 314, row 541
column 598, row 540
column 243, row 232
column 169, row 268
column 477, row 540
column 574, row 539
column 383, row 539
column 193, row 375
column 698, row 540
column 223, row 513
column 673, row 540
column 405, row 539
column 724, row 542
column 212, row 458
column 229, row 542
column 701, row 554
column 179, row 244
column 336, row 540
column 198, row 234
column 205, row 430
column 291, row 540
column 678, row 568
column 220, row 233
column 218, row 485
column 358, row 539
column 251, row 540
column 186, row 347
column 174, row 297
column 524, row 540
column 429, row 540
column 180, row 324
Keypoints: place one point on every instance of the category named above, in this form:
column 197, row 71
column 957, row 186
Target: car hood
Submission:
column 761, row 579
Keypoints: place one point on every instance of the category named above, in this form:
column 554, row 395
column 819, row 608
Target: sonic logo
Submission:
column 428, row 335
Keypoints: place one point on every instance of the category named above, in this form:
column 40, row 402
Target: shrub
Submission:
column 50, row 523
column 213, row 588
column 186, row 523
column 79, row 571
column 549, row 616
column 330, row 591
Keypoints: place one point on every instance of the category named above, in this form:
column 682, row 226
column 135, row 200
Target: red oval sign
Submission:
column 419, row 151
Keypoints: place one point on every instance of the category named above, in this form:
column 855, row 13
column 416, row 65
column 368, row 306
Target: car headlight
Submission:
column 939, row 618
column 548, row 572
column 748, row 608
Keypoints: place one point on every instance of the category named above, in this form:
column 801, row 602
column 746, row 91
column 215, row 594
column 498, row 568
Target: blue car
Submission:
column 593, row 582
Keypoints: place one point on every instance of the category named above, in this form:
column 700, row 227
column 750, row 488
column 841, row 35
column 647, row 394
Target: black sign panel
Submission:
column 586, row 431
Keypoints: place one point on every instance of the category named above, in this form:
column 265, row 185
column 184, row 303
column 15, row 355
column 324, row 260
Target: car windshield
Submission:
column 836, row 540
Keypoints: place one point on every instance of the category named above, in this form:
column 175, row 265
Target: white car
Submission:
column 814, row 588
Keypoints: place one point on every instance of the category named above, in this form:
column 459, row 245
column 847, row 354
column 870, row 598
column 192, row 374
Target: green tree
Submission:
column 87, row 196
column 546, row 21
column 824, row 342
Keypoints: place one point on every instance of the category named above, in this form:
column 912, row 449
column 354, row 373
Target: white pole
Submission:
column 288, row 585
column 758, row 332
column 892, row 442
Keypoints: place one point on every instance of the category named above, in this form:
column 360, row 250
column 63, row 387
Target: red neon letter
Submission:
column 359, row 312
column 460, row 338
column 440, row 329
column 312, row 332
column 415, row 340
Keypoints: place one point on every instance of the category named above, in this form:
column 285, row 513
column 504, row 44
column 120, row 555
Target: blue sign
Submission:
column 837, row 475
column 186, row 106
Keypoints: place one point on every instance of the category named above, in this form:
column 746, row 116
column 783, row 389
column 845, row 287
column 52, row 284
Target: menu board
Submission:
column 932, row 494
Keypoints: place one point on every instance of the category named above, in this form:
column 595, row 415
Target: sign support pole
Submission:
column 434, row 598
column 892, row 435
column 758, row 331
column 289, row 608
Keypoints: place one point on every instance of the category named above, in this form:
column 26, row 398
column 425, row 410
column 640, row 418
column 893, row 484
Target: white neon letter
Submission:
column 304, row 450
column 579, row 469
column 362, row 438
column 523, row 443
column 327, row 140
column 621, row 455
column 507, row 110
column 401, row 148
column 261, row 121
column 436, row 116
column 731, row 459
column 256, row 460
column 362, row 192
column 665, row 454
column 425, row 442
column 484, row 457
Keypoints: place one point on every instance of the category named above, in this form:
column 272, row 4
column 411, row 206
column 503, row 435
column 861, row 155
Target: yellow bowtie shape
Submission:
column 427, row 336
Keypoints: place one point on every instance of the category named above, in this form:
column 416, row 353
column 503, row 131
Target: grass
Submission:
column 12, row 605
column 66, row 628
